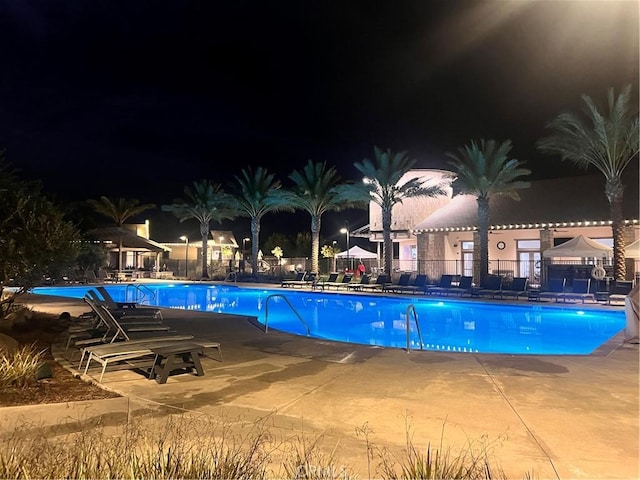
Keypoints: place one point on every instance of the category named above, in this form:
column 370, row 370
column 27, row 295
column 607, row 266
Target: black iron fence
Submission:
column 537, row 271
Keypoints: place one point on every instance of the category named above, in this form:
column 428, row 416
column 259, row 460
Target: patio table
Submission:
column 181, row 356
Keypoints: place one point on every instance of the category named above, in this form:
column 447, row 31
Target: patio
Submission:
column 558, row 416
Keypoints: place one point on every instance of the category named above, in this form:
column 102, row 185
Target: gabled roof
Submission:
column 129, row 239
column 227, row 238
column 547, row 203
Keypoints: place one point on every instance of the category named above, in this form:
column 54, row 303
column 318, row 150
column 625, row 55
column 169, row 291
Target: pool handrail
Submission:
column 266, row 312
column 231, row 274
column 138, row 289
column 411, row 308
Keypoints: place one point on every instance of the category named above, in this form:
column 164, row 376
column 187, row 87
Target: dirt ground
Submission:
column 63, row 386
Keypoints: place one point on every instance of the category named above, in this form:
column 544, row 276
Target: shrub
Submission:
column 20, row 366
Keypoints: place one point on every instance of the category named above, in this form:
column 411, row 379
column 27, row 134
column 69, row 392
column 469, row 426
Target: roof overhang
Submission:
column 528, row 226
column 127, row 239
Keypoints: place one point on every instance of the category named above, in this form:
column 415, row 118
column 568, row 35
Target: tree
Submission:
column 607, row 142
column 317, row 190
column 119, row 210
column 35, row 238
column 204, row 202
column 485, row 171
column 259, row 193
column 382, row 186
column 278, row 239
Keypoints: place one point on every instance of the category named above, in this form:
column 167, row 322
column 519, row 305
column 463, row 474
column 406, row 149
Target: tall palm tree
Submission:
column 317, row 191
column 607, row 142
column 485, row 171
column 259, row 193
column 204, row 202
column 119, row 210
column 382, row 186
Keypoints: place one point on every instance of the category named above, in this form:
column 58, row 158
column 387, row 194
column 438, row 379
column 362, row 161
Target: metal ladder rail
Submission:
column 266, row 312
column 412, row 308
column 138, row 288
column 233, row 275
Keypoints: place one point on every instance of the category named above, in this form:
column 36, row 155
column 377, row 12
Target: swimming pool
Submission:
column 445, row 324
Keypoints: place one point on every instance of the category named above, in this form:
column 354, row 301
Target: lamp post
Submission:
column 221, row 238
column 244, row 252
column 244, row 241
column 185, row 239
column 335, row 249
column 346, row 231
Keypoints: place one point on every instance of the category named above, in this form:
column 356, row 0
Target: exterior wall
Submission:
column 407, row 215
column 412, row 211
column 442, row 252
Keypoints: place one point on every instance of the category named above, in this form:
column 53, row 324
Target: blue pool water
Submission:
column 445, row 324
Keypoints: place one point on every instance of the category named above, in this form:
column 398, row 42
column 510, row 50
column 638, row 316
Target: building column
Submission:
column 630, row 264
column 476, row 257
column 430, row 253
column 546, row 242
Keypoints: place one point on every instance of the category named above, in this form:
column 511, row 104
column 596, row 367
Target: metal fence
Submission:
column 538, row 272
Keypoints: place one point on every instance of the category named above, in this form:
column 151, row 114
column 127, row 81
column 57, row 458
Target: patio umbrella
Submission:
column 579, row 246
column 357, row 252
column 632, row 250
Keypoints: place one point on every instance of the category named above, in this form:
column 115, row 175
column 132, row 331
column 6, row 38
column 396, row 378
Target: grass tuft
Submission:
column 18, row 368
column 205, row 447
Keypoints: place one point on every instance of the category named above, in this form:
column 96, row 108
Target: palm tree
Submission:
column 607, row 142
column 382, row 186
column 204, row 202
column 316, row 190
column 119, row 210
column 485, row 171
column 259, row 193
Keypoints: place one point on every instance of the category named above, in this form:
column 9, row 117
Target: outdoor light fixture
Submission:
column 185, row 239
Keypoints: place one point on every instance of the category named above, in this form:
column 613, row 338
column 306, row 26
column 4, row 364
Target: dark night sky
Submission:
column 138, row 98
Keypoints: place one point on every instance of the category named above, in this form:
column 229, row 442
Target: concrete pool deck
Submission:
column 552, row 416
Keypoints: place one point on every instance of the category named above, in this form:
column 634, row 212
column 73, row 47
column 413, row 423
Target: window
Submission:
column 528, row 252
column 467, row 258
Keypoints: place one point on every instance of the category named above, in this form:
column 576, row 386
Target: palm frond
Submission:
column 120, row 209
column 605, row 142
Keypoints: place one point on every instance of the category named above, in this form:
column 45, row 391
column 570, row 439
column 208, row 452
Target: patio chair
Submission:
column 418, row 285
column 127, row 308
column 580, row 290
column 465, row 285
column 106, row 355
column 127, row 313
column 443, row 285
column 403, row 281
column 302, row 279
column 377, row 286
column 117, row 331
column 492, row 288
column 90, row 276
column 518, row 287
column 619, row 291
column 363, row 283
column 555, row 289
column 114, row 328
column 333, row 277
column 343, row 283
